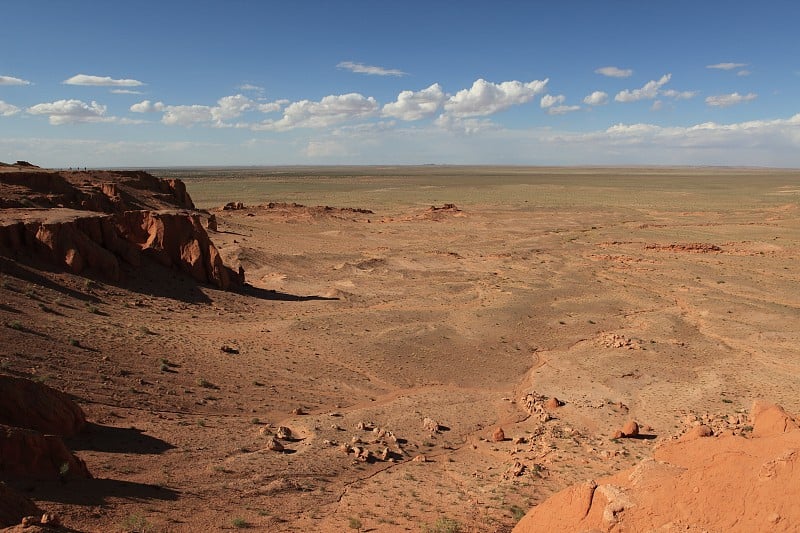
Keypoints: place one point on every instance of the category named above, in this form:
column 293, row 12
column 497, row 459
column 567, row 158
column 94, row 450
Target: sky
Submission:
column 614, row 82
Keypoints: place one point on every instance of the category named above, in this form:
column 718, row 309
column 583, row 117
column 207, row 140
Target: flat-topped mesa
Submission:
column 96, row 190
column 92, row 221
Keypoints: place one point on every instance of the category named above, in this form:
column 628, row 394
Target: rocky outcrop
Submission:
column 27, row 404
column 81, row 242
column 28, row 454
column 697, row 483
column 102, row 191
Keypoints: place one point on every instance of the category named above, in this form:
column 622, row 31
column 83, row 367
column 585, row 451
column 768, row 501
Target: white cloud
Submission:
column 727, row 66
column 186, row 115
column 229, row 107
column 596, row 98
column 743, row 72
column 71, row 111
column 549, row 100
column 678, row 95
column 361, row 68
column 658, row 105
column 6, row 110
column 468, row 126
column 332, row 109
column 485, row 98
column 10, row 80
column 103, row 81
column 412, row 105
column 124, row 91
column 250, row 87
column 725, row 100
column 562, row 109
column 614, row 72
column 647, row 92
column 146, row 106
column 271, row 107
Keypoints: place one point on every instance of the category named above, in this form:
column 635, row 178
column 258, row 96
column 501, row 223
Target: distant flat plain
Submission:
column 389, row 187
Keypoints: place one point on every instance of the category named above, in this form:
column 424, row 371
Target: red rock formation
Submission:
column 725, row 483
column 32, row 405
column 25, row 453
column 79, row 241
column 14, row 507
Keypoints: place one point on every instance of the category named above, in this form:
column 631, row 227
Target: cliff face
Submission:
column 96, row 221
column 98, row 243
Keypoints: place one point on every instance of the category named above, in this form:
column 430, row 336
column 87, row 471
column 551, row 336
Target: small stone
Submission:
column 265, row 431
column 50, row 519
column 419, row 459
column 630, row 429
column 298, row 411
column 498, row 435
column 519, row 440
column 283, row 433
column 774, row 518
column 274, row 444
column 431, row 425
column 384, row 454
column 553, row 403
column 30, row 520
column 617, row 435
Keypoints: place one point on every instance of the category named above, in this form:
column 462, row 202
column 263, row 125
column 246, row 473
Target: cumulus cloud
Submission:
column 412, row 105
column 146, row 106
column 70, row 112
column 6, row 110
column 647, row 92
column 124, row 91
column 271, row 107
column 331, row 110
column 361, row 68
column 725, row 100
column 102, row 81
column 678, row 95
column 485, row 98
column 468, row 126
column 596, row 98
column 726, row 66
column 614, row 72
column 549, row 100
column 10, row 80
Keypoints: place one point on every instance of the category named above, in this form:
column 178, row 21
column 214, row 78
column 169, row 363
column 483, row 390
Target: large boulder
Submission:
column 28, row 454
column 14, row 507
column 27, row 404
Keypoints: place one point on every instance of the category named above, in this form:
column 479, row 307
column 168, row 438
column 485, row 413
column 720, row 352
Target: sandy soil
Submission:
column 652, row 295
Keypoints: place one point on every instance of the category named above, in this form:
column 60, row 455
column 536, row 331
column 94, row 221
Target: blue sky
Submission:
column 370, row 82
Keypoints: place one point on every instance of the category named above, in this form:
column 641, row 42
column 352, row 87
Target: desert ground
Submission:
column 393, row 318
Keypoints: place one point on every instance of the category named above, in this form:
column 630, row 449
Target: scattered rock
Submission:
column 283, row 433
column 419, row 459
column 630, row 429
column 553, row 403
column 211, row 222
column 229, row 349
column 431, row 425
column 274, row 444
column 298, row 411
column 516, row 470
column 535, row 405
column 498, row 435
column 697, row 432
column 233, row 206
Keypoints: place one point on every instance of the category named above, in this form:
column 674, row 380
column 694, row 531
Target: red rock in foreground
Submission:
column 28, row 454
column 14, row 507
column 27, row 404
column 726, row 483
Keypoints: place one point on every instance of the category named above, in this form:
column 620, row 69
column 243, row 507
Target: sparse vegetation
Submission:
column 354, row 523
column 16, row 324
column 240, row 523
column 136, row 523
column 202, row 382
column 443, row 525
column 517, row 512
